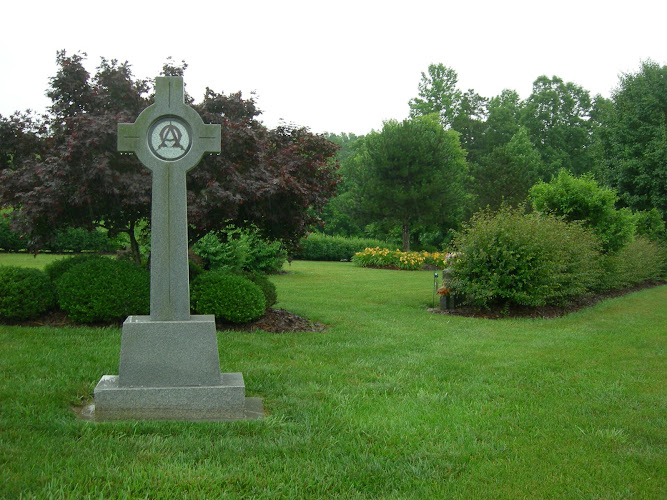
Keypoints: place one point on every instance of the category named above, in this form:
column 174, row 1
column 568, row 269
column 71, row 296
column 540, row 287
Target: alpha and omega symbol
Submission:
column 169, row 138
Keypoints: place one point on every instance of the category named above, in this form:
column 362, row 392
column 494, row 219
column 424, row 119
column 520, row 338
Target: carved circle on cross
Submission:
column 169, row 138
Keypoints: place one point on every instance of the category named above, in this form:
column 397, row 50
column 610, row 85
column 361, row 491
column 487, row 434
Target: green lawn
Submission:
column 390, row 402
column 28, row 259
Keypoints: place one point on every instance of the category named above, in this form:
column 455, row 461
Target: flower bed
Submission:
column 394, row 259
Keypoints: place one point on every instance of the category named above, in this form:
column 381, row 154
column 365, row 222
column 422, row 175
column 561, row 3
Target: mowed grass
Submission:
column 390, row 402
column 29, row 260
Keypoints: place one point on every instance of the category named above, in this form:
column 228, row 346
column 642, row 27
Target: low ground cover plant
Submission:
column 395, row 259
column 390, row 402
column 25, row 293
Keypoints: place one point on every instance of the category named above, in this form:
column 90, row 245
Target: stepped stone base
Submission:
column 169, row 353
column 222, row 402
column 170, row 370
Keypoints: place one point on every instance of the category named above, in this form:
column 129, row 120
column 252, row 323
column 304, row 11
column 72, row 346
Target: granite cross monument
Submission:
column 169, row 366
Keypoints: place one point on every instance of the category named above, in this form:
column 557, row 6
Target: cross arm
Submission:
column 128, row 138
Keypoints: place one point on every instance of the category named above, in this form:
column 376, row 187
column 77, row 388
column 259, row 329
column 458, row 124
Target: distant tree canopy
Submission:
column 66, row 172
column 634, row 139
column 415, row 180
column 511, row 144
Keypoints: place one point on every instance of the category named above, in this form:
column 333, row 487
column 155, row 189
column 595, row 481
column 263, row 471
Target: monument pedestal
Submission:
column 170, row 370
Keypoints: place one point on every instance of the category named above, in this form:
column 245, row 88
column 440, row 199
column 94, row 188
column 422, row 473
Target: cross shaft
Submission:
column 169, row 138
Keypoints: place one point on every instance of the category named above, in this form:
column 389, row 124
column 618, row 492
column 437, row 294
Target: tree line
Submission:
column 415, row 180
column 63, row 170
column 459, row 152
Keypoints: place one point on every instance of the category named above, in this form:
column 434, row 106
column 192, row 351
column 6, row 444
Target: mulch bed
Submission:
column 274, row 321
column 282, row 321
column 498, row 312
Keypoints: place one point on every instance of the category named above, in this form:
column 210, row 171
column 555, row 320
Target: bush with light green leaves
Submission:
column 512, row 258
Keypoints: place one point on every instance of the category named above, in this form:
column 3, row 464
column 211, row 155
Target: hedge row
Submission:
column 511, row 258
column 69, row 240
column 93, row 289
column 333, row 248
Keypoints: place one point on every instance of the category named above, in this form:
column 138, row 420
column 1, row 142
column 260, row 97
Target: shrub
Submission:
column 336, row 248
column 582, row 199
column 236, row 249
column 9, row 240
column 77, row 239
column 104, row 290
column 229, row 256
column 640, row 261
column 509, row 258
column 265, row 257
column 59, row 267
column 24, row 293
column 267, row 287
column 649, row 223
column 194, row 269
column 228, row 296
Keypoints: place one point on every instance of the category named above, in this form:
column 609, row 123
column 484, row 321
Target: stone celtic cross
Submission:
column 169, row 366
column 169, row 138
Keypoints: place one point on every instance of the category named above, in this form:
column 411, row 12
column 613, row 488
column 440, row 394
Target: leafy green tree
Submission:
column 507, row 173
column 339, row 213
column 413, row 173
column 583, row 199
column 437, row 94
column 469, row 122
column 634, row 139
column 558, row 118
column 503, row 120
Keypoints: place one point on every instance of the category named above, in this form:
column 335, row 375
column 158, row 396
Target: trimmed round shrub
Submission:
column 104, row 290
column 228, row 296
column 59, row 267
column 509, row 257
column 267, row 287
column 24, row 293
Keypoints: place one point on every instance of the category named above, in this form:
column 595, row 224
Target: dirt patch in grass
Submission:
column 274, row 321
column 501, row 312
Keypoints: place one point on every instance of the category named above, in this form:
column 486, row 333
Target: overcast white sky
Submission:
column 334, row 66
